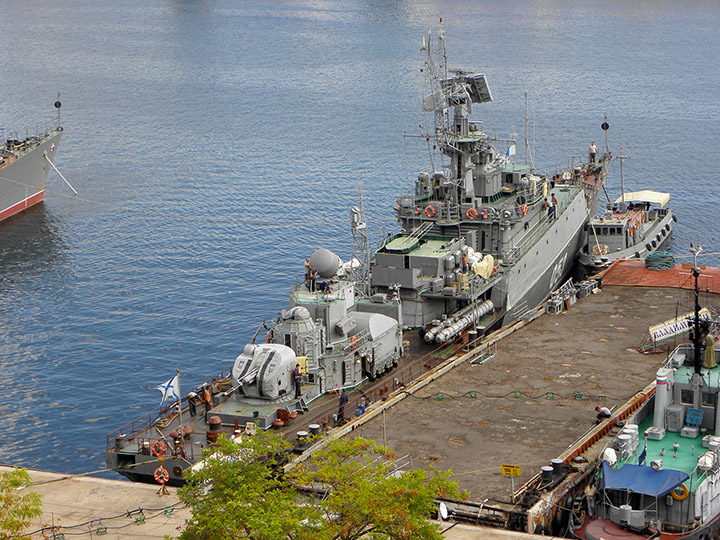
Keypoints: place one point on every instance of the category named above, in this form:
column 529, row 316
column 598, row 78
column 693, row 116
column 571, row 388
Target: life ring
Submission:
column 471, row 213
column 680, row 493
column 161, row 451
column 353, row 342
column 524, row 209
column 429, row 211
column 161, row 475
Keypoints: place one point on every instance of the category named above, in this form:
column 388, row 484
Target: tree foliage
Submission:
column 16, row 508
column 368, row 497
column 241, row 492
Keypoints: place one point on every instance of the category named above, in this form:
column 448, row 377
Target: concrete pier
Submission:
column 85, row 507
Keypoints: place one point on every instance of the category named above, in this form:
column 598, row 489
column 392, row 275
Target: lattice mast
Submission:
column 360, row 260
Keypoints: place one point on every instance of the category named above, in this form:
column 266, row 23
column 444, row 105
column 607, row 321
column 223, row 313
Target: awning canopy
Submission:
column 646, row 195
column 642, row 479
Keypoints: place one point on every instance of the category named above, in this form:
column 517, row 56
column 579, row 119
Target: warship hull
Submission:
column 24, row 172
column 524, row 287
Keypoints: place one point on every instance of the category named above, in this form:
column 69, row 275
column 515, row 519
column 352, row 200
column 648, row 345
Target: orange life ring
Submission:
column 680, row 493
column 471, row 213
column 524, row 209
column 353, row 342
column 155, row 450
column 429, row 211
column 161, row 475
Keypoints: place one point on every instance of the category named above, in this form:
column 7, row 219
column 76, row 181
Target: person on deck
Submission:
column 215, row 388
column 592, row 152
column 297, row 377
column 341, row 409
column 192, row 403
column 602, row 414
column 207, row 401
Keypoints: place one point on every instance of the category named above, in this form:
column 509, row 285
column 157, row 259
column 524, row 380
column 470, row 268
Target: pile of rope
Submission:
column 660, row 260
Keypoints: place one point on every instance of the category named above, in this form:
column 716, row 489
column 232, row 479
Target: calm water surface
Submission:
column 215, row 144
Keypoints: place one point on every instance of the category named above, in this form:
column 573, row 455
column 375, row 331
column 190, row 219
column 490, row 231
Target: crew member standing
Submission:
column 192, row 404
column 592, row 152
column 341, row 410
column 297, row 377
column 207, row 401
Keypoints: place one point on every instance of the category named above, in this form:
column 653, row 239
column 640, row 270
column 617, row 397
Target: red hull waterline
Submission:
column 22, row 205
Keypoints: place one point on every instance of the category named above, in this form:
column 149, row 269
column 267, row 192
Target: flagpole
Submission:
column 180, row 431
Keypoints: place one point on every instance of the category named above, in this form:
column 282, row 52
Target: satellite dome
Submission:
column 325, row 262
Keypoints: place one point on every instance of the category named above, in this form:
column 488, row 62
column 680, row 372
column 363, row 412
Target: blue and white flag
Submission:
column 170, row 390
column 510, row 151
column 643, row 455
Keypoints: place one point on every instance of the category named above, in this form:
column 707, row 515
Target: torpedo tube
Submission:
column 450, row 328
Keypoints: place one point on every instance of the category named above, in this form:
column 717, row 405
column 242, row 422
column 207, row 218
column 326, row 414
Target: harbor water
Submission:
column 214, row 144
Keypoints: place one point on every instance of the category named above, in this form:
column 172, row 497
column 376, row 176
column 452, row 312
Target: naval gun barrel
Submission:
column 464, row 318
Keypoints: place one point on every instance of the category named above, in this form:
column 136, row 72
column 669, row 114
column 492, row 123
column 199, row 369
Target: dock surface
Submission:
column 535, row 396
column 86, row 507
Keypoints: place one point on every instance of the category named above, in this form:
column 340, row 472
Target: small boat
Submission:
column 636, row 225
column 660, row 476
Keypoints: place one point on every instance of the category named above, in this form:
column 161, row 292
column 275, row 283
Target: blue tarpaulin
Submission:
column 642, row 479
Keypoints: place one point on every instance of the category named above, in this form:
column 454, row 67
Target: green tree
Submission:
column 241, row 492
column 367, row 497
column 16, row 508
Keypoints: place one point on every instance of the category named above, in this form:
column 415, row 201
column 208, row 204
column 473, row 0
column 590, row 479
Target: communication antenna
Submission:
column 57, row 106
column 360, row 260
column 622, row 157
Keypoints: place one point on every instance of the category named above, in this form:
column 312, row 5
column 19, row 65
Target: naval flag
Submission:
column 170, row 389
column 643, row 455
column 510, row 151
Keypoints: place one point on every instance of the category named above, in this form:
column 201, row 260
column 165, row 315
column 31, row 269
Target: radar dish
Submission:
column 478, row 88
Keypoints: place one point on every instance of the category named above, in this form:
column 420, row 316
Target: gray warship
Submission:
column 340, row 339
column 24, row 167
column 479, row 246
column 483, row 239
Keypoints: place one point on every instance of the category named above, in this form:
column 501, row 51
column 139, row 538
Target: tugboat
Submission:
column 24, row 167
column 660, row 478
column 636, row 225
column 483, row 239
